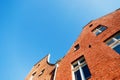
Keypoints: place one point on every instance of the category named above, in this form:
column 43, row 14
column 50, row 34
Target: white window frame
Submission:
column 79, row 67
column 115, row 41
column 98, row 30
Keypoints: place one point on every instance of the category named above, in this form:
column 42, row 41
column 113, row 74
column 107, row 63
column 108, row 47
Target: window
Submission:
column 76, row 47
column 99, row 30
column 80, row 70
column 114, row 42
column 31, row 78
column 90, row 25
column 41, row 72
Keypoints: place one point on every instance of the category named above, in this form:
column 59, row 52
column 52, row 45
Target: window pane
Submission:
column 77, row 75
column 97, row 32
column 117, row 48
column 102, row 28
column 109, row 42
column 117, row 36
column 86, row 71
column 81, row 70
column 77, row 47
column 34, row 73
column 75, row 65
column 83, row 60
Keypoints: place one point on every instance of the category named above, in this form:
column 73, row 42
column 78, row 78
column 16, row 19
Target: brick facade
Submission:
column 42, row 70
column 102, row 60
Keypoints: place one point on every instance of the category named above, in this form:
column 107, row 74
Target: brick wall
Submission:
column 43, row 70
column 103, row 62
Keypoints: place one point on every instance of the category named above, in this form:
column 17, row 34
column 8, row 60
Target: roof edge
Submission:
column 48, row 60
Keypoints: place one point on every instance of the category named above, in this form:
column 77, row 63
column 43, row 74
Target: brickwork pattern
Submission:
column 103, row 62
column 43, row 69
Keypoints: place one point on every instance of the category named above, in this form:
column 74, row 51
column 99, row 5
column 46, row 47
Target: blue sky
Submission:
column 30, row 29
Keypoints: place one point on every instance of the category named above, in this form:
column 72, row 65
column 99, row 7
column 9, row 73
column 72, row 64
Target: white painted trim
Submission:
column 48, row 60
column 73, row 77
column 56, row 67
column 79, row 67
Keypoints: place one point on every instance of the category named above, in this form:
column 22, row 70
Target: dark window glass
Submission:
column 91, row 25
column 99, row 29
column 34, row 73
column 86, row 71
column 117, row 48
column 74, row 65
column 117, row 36
column 81, row 70
column 77, row 75
column 97, row 33
column 102, row 28
column 110, row 41
column 77, row 47
column 83, row 60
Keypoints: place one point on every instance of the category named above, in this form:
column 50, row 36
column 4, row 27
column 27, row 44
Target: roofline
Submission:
column 87, row 23
column 102, row 16
column 48, row 60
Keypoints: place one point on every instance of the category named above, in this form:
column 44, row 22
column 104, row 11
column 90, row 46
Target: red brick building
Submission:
column 94, row 56
column 42, row 70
